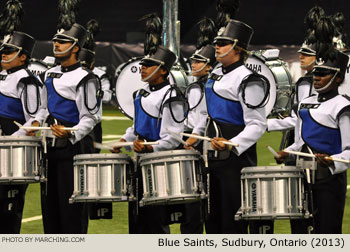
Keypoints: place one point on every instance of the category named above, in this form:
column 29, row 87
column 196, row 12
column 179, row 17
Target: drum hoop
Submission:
column 163, row 154
column 101, row 162
column 95, row 156
column 258, row 169
column 276, row 176
column 115, row 85
column 167, row 160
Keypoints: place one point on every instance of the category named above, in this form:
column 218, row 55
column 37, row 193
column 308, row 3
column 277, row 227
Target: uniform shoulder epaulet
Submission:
column 255, row 77
column 31, row 79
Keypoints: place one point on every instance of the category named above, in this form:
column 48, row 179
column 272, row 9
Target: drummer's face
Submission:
column 307, row 62
column 197, row 65
column 148, row 70
column 17, row 61
column 322, row 81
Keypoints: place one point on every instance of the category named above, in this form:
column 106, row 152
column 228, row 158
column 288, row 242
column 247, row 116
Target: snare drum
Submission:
column 20, row 160
column 128, row 80
column 102, row 178
column 171, row 177
column 272, row 192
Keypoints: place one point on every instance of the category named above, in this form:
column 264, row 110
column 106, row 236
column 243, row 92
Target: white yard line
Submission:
column 39, row 217
column 110, row 118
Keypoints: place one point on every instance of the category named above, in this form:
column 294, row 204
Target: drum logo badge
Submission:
column 149, row 178
column 81, row 171
column 254, row 67
column 253, row 197
column 133, row 69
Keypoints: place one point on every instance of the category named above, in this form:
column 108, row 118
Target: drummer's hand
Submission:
column 322, row 160
column 141, row 148
column 33, row 132
column 217, row 144
column 281, row 157
column 117, row 149
column 190, row 142
column 59, row 132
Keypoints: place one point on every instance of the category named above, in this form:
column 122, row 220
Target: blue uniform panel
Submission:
column 318, row 137
column 224, row 110
column 11, row 108
column 59, row 107
column 146, row 125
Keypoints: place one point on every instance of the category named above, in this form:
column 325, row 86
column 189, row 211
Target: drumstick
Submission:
column 45, row 128
column 312, row 155
column 18, row 124
column 102, row 146
column 207, row 139
column 273, row 151
column 122, row 144
column 177, row 137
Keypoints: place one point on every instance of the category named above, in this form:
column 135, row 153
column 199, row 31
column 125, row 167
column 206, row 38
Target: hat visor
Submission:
column 306, row 52
column 62, row 38
column 149, row 62
column 222, row 38
column 198, row 57
column 8, row 48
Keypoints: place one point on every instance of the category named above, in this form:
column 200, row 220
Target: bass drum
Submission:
column 344, row 88
column 268, row 64
column 37, row 67
column 128, row 80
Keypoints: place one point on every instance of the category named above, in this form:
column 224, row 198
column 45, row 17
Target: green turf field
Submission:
column 119, row 223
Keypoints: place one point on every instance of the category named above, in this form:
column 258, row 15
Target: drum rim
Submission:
column 163, row 154
column 101, row 155
column 267, row 168
column 19, row 138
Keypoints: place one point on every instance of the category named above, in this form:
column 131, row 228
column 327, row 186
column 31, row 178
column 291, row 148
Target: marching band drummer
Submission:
column 159, row 107
column 70, row 92
column 203, row 61
column 235, row 98
column 19, row 101
column 324, row 120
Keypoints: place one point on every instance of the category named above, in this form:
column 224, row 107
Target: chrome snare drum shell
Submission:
column 20, row 159
column 272, row 192
column 171, row 177
column 103, row 177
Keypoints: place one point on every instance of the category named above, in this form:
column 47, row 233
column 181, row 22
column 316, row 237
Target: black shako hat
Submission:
column 86, row 57
column 337, row 64
column 205, row 54
column 163, row 56
column 236, row 30
column 20, row 41
column 308, row 49
column 77, row 33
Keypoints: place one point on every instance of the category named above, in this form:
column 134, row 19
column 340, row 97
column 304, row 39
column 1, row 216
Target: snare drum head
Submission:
column 128, row 80
column 37, row 67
